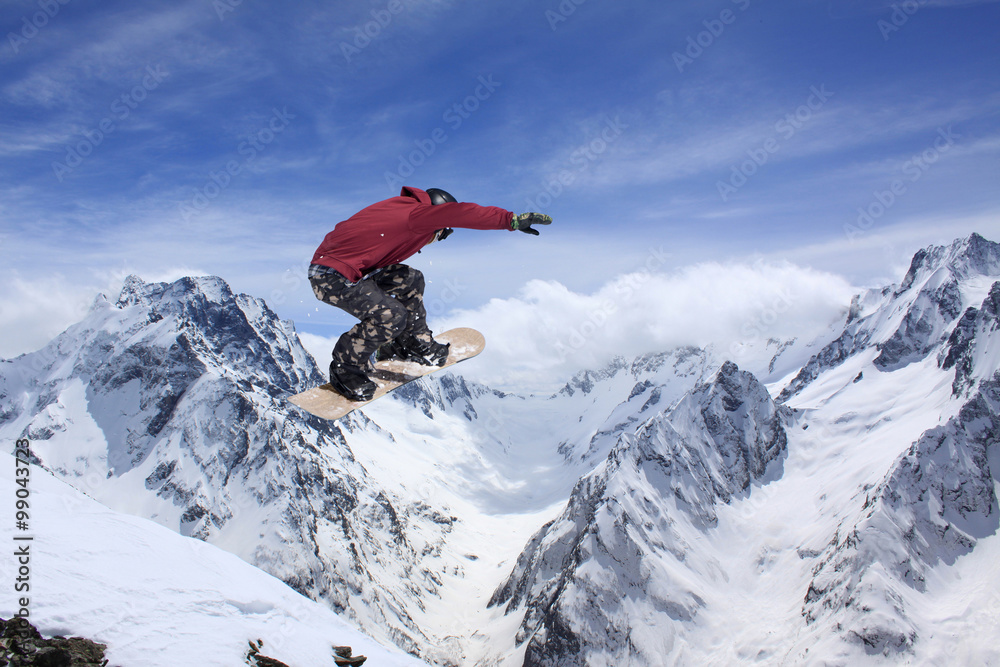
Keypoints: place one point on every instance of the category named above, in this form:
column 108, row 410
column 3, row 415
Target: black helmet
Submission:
column 439, row 196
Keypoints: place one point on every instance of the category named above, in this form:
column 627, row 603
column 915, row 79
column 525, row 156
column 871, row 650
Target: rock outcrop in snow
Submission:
column 22, row 645
column 972, row 347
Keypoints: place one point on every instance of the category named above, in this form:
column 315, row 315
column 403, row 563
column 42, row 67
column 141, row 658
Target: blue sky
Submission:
column 227, row 137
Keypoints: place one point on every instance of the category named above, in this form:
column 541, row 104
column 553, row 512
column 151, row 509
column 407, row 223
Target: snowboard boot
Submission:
column 391, row 351
column 351, row 382
column 411, row 348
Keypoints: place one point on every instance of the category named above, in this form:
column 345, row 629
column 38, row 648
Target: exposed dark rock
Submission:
column 21, row 645
column 971, row 333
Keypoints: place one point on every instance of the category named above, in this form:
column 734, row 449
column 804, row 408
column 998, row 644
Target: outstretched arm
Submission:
column 428, row 219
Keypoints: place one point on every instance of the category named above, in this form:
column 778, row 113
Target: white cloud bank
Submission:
column 545, row 334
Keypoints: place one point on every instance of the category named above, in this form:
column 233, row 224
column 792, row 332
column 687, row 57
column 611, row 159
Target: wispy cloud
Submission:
column 36, row 309
column 842, row 124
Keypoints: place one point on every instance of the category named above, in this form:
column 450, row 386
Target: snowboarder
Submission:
column 358, row 268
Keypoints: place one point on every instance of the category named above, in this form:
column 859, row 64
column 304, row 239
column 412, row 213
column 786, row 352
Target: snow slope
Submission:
column 159, row 599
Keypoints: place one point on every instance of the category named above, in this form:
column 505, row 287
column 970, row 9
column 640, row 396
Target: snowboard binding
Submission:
column 411, row 348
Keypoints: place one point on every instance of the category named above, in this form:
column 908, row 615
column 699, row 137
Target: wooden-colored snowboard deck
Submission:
column 326, row 403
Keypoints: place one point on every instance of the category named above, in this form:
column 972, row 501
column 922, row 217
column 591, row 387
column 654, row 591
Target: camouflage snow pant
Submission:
column 389, row 303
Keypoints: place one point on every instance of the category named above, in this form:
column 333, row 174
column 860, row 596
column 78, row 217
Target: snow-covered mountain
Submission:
column 837, row 502
column 627, row 544
column 938, row 498
column 168, row 403
column 933, row 506
column 811, row 525
column 907, row 323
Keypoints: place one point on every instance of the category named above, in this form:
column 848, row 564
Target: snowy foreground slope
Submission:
column 159, row 599
column 168, row 403
column 835, row 504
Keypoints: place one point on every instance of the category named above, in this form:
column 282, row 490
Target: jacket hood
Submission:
column 416, row 193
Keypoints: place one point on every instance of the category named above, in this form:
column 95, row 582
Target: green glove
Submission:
column 524, row 222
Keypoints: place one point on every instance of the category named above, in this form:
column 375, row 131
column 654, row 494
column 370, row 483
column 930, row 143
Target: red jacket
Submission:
column 393, row 230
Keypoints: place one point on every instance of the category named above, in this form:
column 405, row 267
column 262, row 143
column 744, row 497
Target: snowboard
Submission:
column 325, row 402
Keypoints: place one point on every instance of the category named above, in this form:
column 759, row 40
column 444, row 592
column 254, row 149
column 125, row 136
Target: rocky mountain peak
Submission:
column 964, row 258
column 136, row 291
column 941, row 283
column 744, row 424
